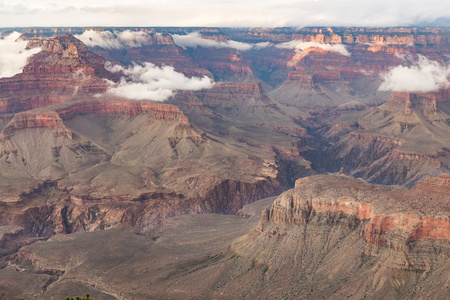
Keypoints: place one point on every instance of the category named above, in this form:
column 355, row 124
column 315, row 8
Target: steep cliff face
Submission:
column 64, row 54
column 330, row 235
column 225, row 64
column 350, row 197
column 149, row 208
column 157, row 111
column 62, row 69
column 320, row 78
column 25, row 120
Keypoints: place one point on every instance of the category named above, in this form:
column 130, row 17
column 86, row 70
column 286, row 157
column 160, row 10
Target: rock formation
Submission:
column 402, row 141
column 64, row 68
column 300, row 206
column 330, row 234
column 25, row 120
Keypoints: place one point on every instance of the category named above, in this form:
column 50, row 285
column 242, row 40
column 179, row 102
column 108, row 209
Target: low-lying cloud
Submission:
column 115, row 40
column 149, row 82
column 131, row 39
column 195, row 39
column 423, row 76
column 13, row 55
column 300, row 46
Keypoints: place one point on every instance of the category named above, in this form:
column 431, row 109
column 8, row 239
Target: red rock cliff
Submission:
column 65, row 54
column 386, row 210
column 63, row 68
column 26, row 120
column 158, row 111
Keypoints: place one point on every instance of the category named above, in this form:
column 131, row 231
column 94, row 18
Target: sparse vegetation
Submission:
column 78, row 298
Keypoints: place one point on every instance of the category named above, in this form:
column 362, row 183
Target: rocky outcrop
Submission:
column 374, row 206
column 439, row 185
column 306, row 80
column 398, row 155
column 229, row 196
column 63, row 69
column 402, row 141
column 424, row 103
column 341, row 233
column 157, row 111
column 224, row 63
column 65, row 54
column 225, row 94
column 50, row 120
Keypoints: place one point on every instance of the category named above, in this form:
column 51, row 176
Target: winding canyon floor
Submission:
column 328, row 238
column 183, row 258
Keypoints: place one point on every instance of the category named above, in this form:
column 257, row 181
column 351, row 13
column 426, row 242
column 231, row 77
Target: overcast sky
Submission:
column 231, row 13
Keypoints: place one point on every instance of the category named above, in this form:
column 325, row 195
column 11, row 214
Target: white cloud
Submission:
column 195, row 39
column 103, row 39
column 149, row 82
column 117, row 40
column 133, row 39
column 13, row 56
column 300, row 46
column 262, row 45
column 423, row 76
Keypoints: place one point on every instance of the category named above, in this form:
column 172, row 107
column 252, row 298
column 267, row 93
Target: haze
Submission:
column 249, row 13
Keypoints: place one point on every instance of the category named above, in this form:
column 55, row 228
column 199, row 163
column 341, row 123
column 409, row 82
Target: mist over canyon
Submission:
column 224, row 163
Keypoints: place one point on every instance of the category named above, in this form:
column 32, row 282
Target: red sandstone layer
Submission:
column 387, row 210
column 25, row 120
column 158, row 111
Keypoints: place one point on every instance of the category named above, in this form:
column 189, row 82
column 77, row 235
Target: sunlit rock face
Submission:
column 63, row 68
column 366, row 202
column 351, row 230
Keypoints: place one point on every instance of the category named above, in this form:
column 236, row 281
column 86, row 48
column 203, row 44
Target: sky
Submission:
column 226, row 13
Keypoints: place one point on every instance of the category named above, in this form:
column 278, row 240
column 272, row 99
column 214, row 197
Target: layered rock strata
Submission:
column 402, row 141
column 331, row 236
column 369, row 204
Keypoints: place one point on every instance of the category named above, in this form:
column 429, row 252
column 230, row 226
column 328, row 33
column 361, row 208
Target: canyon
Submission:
column 330, row 236
column 123, row 198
